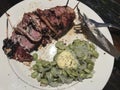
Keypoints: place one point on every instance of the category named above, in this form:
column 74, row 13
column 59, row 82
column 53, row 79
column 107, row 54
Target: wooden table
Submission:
column 114, row 81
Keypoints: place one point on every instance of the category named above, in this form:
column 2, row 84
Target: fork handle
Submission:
column 107, row 25
column 116, row 27
column 103, row 25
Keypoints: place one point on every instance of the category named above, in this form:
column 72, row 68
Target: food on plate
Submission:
column 66, row 59
column 72, row 62
column 15, row 51
column 38, row 28
column 69, row 64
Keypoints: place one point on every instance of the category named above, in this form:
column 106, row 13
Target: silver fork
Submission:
column 97, row 24
column 95, row 35
column 94, row 24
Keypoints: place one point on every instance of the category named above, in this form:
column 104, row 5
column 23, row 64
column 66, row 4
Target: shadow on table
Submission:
column 6, row 4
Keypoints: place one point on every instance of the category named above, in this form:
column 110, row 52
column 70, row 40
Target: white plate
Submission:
column 15, row 75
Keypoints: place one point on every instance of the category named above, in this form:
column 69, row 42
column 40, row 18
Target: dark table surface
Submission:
column 114, row 81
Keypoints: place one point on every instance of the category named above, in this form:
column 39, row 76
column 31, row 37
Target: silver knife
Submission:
column 95, row 36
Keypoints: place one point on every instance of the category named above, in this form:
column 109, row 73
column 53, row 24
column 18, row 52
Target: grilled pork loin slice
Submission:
column 60, row 18
column 38, row 28
column 23, row 41
column 21, row 55
column 15, row 51
column 28, row 28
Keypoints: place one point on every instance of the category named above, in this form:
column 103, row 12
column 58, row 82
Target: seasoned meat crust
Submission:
column 38, row 28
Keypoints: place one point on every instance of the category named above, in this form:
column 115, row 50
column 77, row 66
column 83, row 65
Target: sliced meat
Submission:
column 30, row 27
column 9, row 47
column 61, row 18
column 15, row 51
column 23, row 41
column 38, row 28
column 30, row 33
column 45, row 20
column 21, row 55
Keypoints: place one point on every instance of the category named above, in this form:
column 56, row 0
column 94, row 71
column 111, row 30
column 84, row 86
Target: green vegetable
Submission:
column 39, row 77
column 44, row 82
column 34, row 67
column 54, row 84
column 54, row 71
column 87, row 70
column 49, row 76
column 68, row 80
column 60, row 45
column 53, row 63
column 45, row 63
column 90, row 67
column 71, row 63
column 35, row 56
column 34, row 74
column 66, row 60
column 64, row 73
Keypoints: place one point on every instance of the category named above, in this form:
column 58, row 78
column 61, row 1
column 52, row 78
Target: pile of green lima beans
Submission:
column 49, row 73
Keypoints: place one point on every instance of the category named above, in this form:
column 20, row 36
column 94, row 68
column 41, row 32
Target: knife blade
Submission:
column 94, row 35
